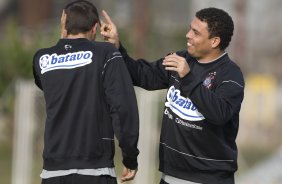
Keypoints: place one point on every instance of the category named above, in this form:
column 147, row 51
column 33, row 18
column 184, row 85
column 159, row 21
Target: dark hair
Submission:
column 81, row 16
column 220, row 24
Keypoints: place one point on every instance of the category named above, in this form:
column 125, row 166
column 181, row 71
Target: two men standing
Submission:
column 89, row 97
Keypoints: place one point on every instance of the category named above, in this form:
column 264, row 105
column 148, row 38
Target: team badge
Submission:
column 208, row 82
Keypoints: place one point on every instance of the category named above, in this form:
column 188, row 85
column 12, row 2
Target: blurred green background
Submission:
column 148, row 29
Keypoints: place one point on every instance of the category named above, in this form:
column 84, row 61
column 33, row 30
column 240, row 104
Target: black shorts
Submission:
column 80, row 179
column 163, row 182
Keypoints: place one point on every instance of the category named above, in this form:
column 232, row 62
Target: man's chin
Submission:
column 190, row 52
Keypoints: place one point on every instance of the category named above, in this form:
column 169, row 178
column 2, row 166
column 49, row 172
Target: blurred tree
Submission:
column 240, row 34
column 16, row 51
column 33, row 12
column 141, row 26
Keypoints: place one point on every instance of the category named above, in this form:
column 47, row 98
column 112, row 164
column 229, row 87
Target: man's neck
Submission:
column 79, row 35
column 212, row 57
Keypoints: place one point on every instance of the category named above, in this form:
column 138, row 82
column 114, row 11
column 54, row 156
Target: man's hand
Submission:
column 176, row 63
column 63, row 25
column 109, row 30
column 127, row 174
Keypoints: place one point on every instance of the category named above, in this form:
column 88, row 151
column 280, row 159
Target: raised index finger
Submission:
column 107, row 17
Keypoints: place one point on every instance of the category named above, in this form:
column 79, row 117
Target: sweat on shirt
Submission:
column 200, row 118
column 89, row 97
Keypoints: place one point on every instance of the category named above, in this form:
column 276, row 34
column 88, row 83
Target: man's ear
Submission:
column 92, row 33
column 94, row 28
column 215, row 41
column 63, row 25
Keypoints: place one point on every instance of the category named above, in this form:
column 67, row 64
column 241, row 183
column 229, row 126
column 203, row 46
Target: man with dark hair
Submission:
column 89, row 96
column 201, row 111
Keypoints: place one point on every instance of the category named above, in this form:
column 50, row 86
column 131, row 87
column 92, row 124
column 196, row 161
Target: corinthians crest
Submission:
column 208, row 82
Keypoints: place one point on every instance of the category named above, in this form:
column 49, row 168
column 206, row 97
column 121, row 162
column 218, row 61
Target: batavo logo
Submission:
column 65, row 61
column 181, row 106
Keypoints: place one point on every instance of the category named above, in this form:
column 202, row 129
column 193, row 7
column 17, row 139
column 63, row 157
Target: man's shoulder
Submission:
column 104, row 45
column 105, row 48
column 232, row 69
column 229, row 64
column 41, row 51
column 46, row 50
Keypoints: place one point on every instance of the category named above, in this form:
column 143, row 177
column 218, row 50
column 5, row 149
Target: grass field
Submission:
column 5, row 163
